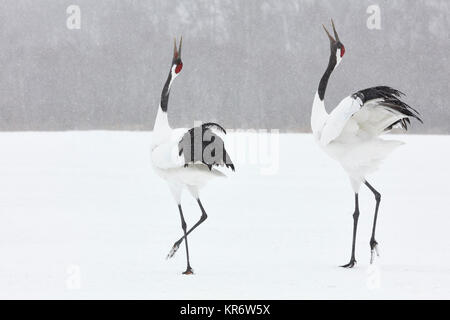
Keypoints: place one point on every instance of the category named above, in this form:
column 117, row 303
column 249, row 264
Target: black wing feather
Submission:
column 390, row 99
column 203, row 137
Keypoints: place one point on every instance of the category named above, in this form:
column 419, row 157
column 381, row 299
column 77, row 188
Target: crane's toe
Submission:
column 188, row 271
column 373, row 250
column 174, row 249
column 349, row 265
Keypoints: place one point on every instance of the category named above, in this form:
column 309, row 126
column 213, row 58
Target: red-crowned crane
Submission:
column 351, row 133
column 186, row 158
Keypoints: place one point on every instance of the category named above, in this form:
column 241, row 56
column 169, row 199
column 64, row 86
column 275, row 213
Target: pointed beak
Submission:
column 329, row 35
column 177, row 52
column 336, row 37
column 334, row 30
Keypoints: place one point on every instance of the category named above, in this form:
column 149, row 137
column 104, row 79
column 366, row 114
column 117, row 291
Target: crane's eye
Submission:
column 179, row 67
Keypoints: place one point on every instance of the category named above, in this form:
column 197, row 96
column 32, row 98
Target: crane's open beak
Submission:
column 329, row 35
column 332, row 40
column 177, row 52
column 335, row 32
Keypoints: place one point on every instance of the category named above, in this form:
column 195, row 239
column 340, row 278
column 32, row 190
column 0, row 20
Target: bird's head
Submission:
column 336, row 46
column 177, row 64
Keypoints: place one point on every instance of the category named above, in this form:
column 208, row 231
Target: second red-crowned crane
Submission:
column 351, row 133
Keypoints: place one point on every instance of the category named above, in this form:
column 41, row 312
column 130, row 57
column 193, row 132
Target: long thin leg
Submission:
column 199, row 222
column 352, row 262
column 183, row 225
column 373, row 242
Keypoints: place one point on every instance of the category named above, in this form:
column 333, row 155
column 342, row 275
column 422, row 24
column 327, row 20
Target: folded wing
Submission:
column 368, row 113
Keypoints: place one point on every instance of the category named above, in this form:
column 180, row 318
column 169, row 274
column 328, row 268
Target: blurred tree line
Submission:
column 247, row 63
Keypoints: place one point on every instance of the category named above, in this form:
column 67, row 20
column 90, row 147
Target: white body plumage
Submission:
column 170, row 165
column 351, row 133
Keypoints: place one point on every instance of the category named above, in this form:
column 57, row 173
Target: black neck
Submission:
column 165, row 93
column 324, row 81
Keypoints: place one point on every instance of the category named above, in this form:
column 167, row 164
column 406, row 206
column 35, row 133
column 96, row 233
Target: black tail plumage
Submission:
column 208, row 125
column 215, row 147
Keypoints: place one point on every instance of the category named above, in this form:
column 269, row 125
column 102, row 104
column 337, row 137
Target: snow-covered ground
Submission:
column 82, row 215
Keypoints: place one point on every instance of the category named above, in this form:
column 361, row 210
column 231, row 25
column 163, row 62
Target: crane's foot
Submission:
column 189, row 271
column 373, row 250
column 351, row 264
column 174, row 249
